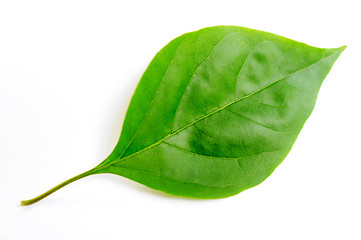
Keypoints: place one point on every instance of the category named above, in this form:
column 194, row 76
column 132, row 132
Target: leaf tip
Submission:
column 342, row 48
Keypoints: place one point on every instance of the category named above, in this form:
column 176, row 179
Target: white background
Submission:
column 67, row 72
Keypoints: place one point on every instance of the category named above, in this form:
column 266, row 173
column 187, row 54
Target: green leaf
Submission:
column 216, row 111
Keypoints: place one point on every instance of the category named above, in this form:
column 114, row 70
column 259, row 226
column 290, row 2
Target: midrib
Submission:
column 215, row 111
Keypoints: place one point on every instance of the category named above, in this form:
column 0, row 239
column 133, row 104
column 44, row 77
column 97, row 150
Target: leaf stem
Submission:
column 56, row 188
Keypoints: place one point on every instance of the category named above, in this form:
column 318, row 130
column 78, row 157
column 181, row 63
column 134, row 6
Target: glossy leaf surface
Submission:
column 217, row 110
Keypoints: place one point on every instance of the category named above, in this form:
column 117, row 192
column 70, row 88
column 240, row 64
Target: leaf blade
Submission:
column 259, row 146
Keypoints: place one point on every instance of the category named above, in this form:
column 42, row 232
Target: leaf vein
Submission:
column 213, row 157
column 173, row 179
column 150, row 105
column 193, row 75
column 255, row 122
column 244, row 63
column 270, row 105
